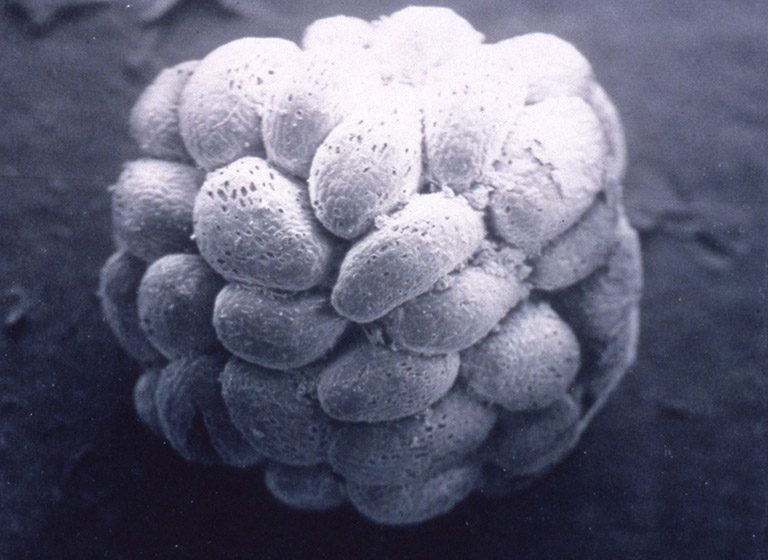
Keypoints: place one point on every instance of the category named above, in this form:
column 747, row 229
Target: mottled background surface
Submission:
column 676, row 466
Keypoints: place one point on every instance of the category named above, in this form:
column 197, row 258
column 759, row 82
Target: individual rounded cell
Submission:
column 154, row 120
column 310, row 100
column 223, row 102
column 414, row 448
column 406, row 255
column 529, row 443
column 528, row 363
column 313, row 488
column 596, row 305
column 412, row 42
column 414, row 502
column 144, row 400
column 175, row 304
column 338, row 32
column 550, row 66
column 579, row 251
column 370, row 383
column 469, row 110
column 603, row 310
column 459, row 310
column 277, row 411
column 152, row 205
column 276, row 329
column 368, row 165
column 119, row 281
column 255, row 226
column 193, row 416
column 551, row 168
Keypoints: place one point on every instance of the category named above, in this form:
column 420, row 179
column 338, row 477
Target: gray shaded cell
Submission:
column 193, row 416
column 370, row 383
column 603, row 310
column 310, row 100
column 415, row 502
column 549, row 66
column 144, row 400
column 411, row 43
column 175, row 303
column 610, row 122
column 415, row 448
column 314, row 488
column 338, row 32
column 278, row 330
column 119, row 281
column 458, row 311
column 528, row 363
column 550, row 170
column 368, row 165
column 579, row 251
column 277, row 411
column 404, row 257
column 529, row 443
column 152, row 205
column 469, row 109
column 254, row 225
column 223, row 102
column 154, row 120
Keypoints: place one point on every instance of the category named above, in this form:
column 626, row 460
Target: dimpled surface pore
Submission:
column 223, row 102
column 427, row 239
column 277, row 411
column 154, row 121
column 254, row 225
column 389, row 268
column 274, row 329
column 312, row 488
column 152, row 205
column 175, row 304
column 374, row 383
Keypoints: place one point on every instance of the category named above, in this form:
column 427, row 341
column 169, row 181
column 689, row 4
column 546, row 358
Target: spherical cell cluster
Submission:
column 391, row 265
